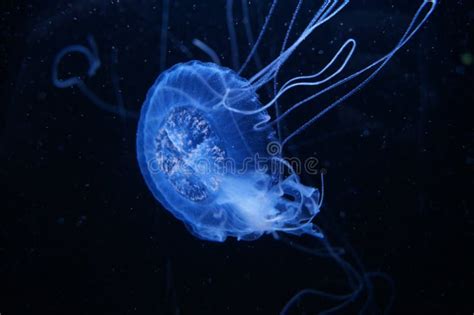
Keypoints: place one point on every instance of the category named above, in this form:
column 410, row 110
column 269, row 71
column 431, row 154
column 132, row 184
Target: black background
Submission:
column 81, row 234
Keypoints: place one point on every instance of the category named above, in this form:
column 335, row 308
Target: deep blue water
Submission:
column 80, row 233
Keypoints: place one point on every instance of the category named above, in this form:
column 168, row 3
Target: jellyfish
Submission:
column 194, row 155
column 210, row 153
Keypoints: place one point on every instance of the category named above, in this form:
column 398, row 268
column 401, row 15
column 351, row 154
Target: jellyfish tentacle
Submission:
column 92, row 58
column 386, row 277
column 344, row 298
column 248, row 31
column 259, row 38
column 321, row 199
column 378, row 65
column 164, row 34
column 283, row 46
column 93, row 45
column 297, row 220
column 208, row 50
column 359, row 281
column 233, row 36
column 116, row 83
column 350, row 42
column 327, row 11
column 315, row 251
column 292, row 83
column 324, row 12
column 185, row 50
column 92, row 55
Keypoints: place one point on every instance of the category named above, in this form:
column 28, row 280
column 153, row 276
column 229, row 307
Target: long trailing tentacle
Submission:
column 248, row 31
column 355, row 280
column 294, row 82
column 360, row 281
column 327, row 11
column 208, row 50
column 232, row 35
column 283, row 46
column 164, row 34
column 378, row 65
column 93, row 59
column 260, row 36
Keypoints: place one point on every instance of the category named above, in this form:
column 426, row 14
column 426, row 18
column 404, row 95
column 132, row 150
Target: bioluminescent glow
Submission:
column 211, row 154
column 186, row 137
column 201, row 114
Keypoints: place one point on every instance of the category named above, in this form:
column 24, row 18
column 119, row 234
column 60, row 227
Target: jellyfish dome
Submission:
column 210, row 166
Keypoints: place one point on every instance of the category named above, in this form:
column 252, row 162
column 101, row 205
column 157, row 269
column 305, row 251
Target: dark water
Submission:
column 81, row 234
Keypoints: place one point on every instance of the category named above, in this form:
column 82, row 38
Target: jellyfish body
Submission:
column 209, row 166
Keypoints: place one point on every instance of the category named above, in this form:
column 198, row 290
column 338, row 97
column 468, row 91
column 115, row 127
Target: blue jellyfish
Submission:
column 211, row 154
column 194, row 154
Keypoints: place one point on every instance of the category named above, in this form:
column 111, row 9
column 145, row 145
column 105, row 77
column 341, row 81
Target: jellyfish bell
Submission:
column 209, row 166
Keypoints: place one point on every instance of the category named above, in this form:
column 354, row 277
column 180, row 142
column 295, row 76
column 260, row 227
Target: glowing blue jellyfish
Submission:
column 212, row 155
column 194, row 154
column 202, row 127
